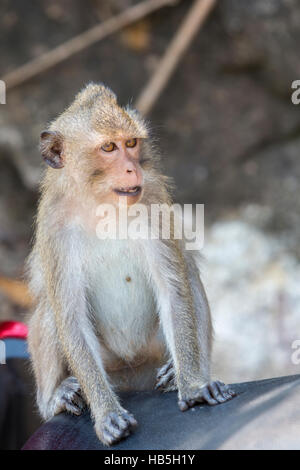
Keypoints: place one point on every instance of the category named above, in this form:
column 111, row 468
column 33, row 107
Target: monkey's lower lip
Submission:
column 128, row 191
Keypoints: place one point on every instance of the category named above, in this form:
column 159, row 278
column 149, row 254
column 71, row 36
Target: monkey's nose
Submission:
column 130, row 168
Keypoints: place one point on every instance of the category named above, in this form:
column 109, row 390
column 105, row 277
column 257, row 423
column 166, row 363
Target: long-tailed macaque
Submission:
column 111, row 314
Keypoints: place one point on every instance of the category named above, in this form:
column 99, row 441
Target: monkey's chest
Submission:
column 122, row 299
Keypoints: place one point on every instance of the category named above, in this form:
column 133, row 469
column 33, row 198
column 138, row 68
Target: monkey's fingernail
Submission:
column 133, row 421
column 183, row 406
column 229, row 397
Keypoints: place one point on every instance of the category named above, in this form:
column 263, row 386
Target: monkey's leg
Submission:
column 186, row 325
column 81, row 347
column 79, row 341
column 212, row 392
column 53, row 392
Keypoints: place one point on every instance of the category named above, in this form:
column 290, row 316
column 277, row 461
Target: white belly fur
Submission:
column 121, row 297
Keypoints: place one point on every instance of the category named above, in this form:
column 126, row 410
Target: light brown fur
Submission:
column 158, row 311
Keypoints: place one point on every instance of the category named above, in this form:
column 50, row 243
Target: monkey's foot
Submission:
column 212, row 393
column 165, row 379
column 116, row 426
column 67, row 397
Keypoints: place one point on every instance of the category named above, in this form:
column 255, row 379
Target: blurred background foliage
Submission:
column 229, row 135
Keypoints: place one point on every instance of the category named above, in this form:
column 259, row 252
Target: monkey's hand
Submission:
column 115, row 426
column 212, row 393
column 67, row 397
column 165, row 379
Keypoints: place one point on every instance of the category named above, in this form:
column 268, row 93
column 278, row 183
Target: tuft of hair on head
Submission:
column 93, row 92
column 95, row 107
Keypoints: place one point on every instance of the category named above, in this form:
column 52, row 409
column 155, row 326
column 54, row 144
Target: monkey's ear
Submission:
column 51, row 147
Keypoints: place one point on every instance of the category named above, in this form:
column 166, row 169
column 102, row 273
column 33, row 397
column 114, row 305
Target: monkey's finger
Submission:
column 183, row 405
column 130, row 419
column 70, row 385
column 226, row 390
column 72, row 408
column 164, row 369
column 116, row 427
column 165, row 386
column 107, row 438
column 78, row 400
column 163, row 383
column 164, row 380
column 206, row 396
column 118, row 421
column 116, row 432
column 217, row 393
column 72, row 380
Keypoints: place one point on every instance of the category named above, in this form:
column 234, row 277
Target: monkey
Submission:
column 111, row 314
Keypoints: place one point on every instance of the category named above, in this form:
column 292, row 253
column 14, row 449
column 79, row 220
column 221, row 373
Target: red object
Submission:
column 13, row 329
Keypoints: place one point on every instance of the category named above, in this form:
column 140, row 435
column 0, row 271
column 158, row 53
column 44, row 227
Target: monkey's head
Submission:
column 99, row 145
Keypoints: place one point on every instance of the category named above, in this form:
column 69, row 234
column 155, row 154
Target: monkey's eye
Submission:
column 108, row 146
column 131, row 143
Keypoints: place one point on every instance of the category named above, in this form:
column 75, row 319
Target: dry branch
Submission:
column 182, row 39
column 82, row 41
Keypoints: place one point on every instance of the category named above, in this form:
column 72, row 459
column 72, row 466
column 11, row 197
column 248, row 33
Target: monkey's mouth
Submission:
column 134, row 191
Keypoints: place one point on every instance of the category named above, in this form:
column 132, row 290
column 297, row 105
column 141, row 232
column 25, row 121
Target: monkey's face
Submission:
column 109, row 167
column 117, row 174
column 97, row 145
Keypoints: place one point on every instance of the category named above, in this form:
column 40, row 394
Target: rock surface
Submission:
column 252, row 283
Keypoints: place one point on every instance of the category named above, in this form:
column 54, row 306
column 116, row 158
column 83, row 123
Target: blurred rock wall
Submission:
column 229, row 135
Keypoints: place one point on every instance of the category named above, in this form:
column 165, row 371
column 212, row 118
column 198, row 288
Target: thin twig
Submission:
column 82, row 41
column 182, row 39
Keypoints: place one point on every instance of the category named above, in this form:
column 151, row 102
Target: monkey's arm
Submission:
column 185, row 318
column 67, row 284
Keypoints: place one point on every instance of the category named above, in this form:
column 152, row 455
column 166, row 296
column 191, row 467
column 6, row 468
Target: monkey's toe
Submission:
column 68, row 397
column 165, row 380
column 213, row 393
column 220, row 392
column 115, row 427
